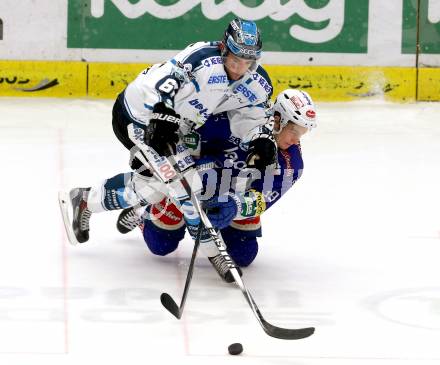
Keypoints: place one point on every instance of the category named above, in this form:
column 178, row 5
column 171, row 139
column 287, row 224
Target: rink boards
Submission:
column 325, row 83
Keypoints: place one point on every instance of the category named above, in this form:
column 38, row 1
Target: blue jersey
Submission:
column 218, row 144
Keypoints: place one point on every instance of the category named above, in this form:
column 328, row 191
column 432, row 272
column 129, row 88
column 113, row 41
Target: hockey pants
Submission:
column 164, row 228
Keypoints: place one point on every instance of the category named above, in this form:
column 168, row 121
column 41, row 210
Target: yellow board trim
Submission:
column 342, row 83
column 429, row 84
column 324, row 83
column 107, row 80
column 43, row 78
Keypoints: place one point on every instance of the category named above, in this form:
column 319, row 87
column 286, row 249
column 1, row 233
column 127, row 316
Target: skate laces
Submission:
column 220, row 264
column 130, row 219
column 84, row 221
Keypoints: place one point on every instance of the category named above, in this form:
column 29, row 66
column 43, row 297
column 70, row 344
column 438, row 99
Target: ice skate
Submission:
column 81, row 214
column 128, row 220
column 222, row 268
column 77, row 225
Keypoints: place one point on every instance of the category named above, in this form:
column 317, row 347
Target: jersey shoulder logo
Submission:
column 217, row 60
column 218, row 79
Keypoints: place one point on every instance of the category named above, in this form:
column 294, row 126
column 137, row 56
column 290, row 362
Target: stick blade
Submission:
column 286, row 333
column 274, row 331
column 170, row 305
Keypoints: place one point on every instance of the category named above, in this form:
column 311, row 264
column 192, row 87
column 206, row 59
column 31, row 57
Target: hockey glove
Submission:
column 262, row 153
column 164, row 124
column 221, row 211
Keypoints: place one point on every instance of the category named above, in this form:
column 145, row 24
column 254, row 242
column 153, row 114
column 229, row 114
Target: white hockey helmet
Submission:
column 295, row 106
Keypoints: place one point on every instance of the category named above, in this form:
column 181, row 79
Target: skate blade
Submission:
column 64, row 202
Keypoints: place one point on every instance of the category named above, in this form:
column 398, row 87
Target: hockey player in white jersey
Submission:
column 174, row 98
column 237, row 215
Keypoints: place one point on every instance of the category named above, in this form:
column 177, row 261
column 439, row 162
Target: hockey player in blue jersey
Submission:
column 237, row 203
column 176, row 97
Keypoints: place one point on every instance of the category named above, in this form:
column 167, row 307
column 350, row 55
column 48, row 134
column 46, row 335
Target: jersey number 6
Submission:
column 168, row 86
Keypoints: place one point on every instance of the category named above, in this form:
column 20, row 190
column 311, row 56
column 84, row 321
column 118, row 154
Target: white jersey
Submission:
column 196, row 84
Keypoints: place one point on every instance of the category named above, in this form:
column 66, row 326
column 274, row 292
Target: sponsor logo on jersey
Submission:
column 253, row 204
column 262, row 81
column 246, row 92
column 247, row 207
column 213, row 61
column 192, row 140
column 199, row 106
column 218, row 79
column 260, row 204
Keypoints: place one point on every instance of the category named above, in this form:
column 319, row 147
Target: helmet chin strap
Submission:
column 253, row 67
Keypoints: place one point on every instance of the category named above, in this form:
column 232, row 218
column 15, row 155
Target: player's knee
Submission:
column 241, row 242
column 163, row 229
column 160, row 241
column 244, row 251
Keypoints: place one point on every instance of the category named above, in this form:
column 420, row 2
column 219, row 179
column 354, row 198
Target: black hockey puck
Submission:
column 235, row 349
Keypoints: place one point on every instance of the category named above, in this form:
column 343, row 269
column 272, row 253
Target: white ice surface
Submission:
column 353, row 249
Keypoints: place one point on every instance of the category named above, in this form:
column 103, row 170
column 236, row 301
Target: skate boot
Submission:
column 222, row 268
column 128, row 220
column 81, row 214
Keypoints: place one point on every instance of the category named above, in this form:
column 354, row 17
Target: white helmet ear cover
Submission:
column 297, row 107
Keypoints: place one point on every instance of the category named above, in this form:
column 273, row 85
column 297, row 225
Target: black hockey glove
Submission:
column 262, row 153
column 164, row 124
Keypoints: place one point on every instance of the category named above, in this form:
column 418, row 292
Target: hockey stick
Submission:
column 147, row 155
column 167, row 301
column 271, row 330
